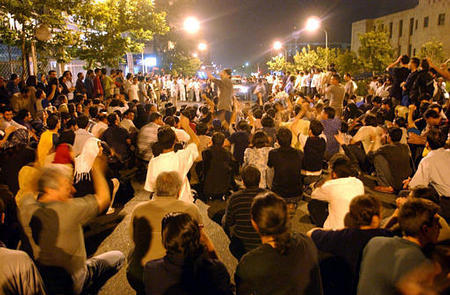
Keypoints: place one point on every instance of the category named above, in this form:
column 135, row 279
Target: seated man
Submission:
column 168, row 160
column 340, row 273
column 330, row 201
column 53, row 225
column 18, row 274
column 392, row 163
column 236, row 222
column 434, row 170
column 146, row 225
column 386, row 260
column 148, row 135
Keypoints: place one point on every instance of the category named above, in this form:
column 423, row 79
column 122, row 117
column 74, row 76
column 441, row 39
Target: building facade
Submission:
column 409, row 29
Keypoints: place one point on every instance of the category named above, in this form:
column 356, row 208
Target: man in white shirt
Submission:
column 148, row 135
column 127, row 122
column 434, row 169
column 7, row 119
column 81, row 134
column 101, row 126
column 133, row 90
column 168, row 160
column 335, row 195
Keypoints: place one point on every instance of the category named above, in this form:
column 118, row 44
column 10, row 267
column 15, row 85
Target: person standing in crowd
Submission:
column 225, row 92
column 285, row 263
column 399, row 72
column 335, row 94
column 98, row 88
column 350, row 86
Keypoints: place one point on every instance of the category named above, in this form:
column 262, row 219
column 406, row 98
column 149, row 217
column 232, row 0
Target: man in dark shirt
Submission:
column 5, row 94
column 287, row 163
column 236, row 222
column 392, row 163
column 117, row 138
column 399, row 75
column 340, row 271
column 241, row 140
column 407, row 86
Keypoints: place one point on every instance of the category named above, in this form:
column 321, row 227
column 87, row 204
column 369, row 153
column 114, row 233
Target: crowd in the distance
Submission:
column 69, row 150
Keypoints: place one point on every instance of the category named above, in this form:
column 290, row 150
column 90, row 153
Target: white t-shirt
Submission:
column 133, row 92
column 180, row 162
column 370, row 137
column 338, row 193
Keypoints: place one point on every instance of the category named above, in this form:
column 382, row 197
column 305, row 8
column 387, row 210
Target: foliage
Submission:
column 111, row 28
column 319, row 58
column 347, row 62
column 19, row 20
column 434, row 50
column 278, row 63
column 375, row 51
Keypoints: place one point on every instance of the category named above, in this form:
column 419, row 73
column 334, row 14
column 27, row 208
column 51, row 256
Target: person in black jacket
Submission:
column 190, row 266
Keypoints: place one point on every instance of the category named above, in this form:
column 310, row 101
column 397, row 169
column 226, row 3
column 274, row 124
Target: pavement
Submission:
column 111, row 232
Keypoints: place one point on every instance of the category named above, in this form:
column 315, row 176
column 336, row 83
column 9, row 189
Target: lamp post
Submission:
column 313, row 24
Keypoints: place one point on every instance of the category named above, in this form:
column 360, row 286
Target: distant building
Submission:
column 409, row 29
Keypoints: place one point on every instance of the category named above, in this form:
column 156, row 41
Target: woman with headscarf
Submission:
column 83, row 166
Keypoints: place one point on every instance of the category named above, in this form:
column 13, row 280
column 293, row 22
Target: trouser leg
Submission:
column 384, row 176
column 100, row 269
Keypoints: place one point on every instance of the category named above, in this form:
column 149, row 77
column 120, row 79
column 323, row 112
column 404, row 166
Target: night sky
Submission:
column 238, row 31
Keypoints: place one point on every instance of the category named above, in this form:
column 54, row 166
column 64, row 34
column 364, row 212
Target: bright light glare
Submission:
column 312, row 24
column 277, row 45
column 246, row 64
column 202, row 46
column 150, row 61
column 195, row 54
column 191, row 25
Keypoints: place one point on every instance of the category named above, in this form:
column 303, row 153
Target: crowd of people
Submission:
column 69, row 150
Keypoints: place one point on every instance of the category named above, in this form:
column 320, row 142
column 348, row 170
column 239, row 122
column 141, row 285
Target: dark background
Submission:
column 239, row 31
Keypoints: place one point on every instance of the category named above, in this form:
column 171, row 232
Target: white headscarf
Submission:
column 84, row 161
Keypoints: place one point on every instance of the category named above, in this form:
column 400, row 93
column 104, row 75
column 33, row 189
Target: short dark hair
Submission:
column 331, row 112
column 342, row 166
column 22, row 114
column 218, row 139
column 267, row 121
column 154, row 116
column 260, row 139
column 82, row 121
column 52, row 121
column 404, row 59
column 415, row 61
column 436, row 138
column 426, row 192
column 400, row 121
column 361, row 210
column 201, row 129
column 166, row 137
column 395, row 134
column 316, row 127
column 430, row 113
column 93, row 112
column 112, row 118
column 416, row 213
column 251, row 176
column 284, row 137
column 170, row 120
column 370, row 120
column 337, row 77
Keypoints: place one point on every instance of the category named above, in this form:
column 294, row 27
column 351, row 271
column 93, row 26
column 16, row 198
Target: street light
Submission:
column 191, row 25
column 277, row 45
column 202, row 46
column 195, row 54
column 313, row 24
column 247, row 64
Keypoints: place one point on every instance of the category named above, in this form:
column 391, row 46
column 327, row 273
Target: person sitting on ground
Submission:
column 330, row 202
column 424, row 192
column 18, row 274
column 53, row 225
column 331, row 127
column 387, row 260
column 240, row 141
column 392, row 163
column 362, row 223
column 117, row 138
column 148, row 135
column 217, row 169
column 285, row 263
column 258, row 155
column 287, row 164
column 168, row 160
column 369, row 135
column 236, row 222
column 314, row 149
column 81, row 134
column 434, row 170
column 146, row 224
column 48, row 139
column 190, row 265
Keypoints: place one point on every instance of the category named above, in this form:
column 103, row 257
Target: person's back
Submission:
column 217, row 170
column 314, row 152
column 240, row 140
column 287, row 163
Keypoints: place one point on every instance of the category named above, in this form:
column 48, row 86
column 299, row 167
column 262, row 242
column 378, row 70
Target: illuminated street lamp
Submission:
column 313, row 24
column 277, row 45
column 191, row 25
column 202, row 46
column 195, row 54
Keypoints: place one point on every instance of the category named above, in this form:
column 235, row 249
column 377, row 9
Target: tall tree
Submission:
column 434, row 50
column 111, row 28
column 347, row 62
column 279, row 63
column 375, row 51
column 308, row 58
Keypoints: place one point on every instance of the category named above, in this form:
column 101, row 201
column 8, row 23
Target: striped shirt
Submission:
column 237, row 218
